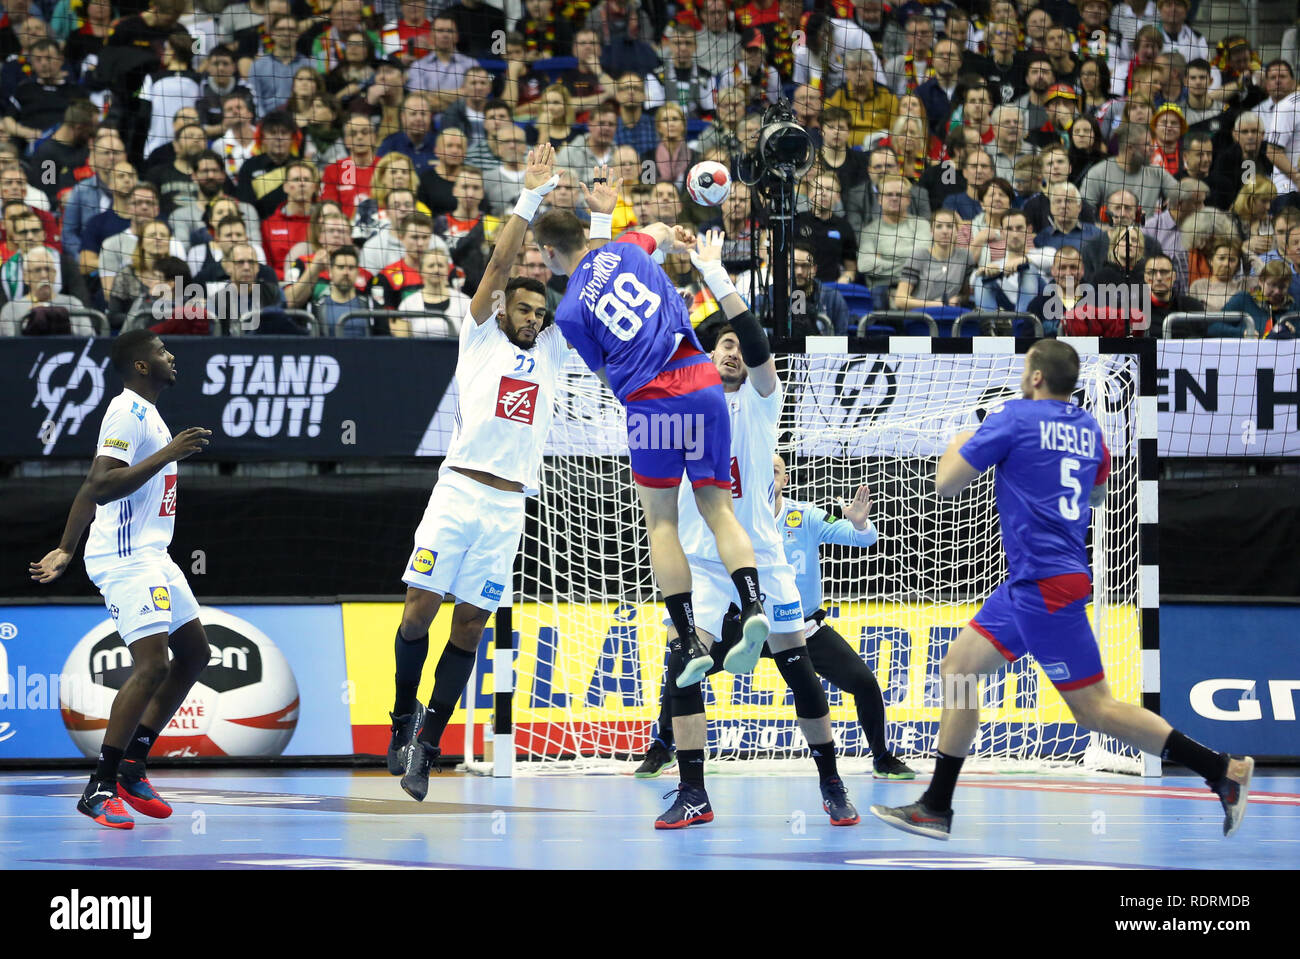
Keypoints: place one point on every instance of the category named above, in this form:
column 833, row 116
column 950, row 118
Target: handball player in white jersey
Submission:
column 754, row 395
column 466, row 543
column 129, row 501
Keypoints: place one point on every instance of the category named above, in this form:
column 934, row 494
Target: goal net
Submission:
column 590, row 634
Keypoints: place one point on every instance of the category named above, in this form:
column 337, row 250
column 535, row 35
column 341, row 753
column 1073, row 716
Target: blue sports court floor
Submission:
column 332, row 819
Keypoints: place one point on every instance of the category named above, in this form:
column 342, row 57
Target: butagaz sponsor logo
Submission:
column 667, row 431
column 272, row 395
column 787, row 613
column 492, row 591
column 79, row 913
column 517, row 400
column 70, row 386
column 168, row 506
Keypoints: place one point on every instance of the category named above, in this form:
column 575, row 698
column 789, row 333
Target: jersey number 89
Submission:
column 616, row 309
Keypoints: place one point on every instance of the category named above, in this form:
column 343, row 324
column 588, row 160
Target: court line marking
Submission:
column 321, row 839
column 801, row 838
column 476, row 839
column 724, row 840
column 1199, row 840
column 401, row 839
column 1277, row 840
column 561, row 840
column 1028, row 839
column 243, row 840
column 160, row 840
column 83, row 840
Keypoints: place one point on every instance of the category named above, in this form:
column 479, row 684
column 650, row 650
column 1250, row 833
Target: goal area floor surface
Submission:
column 361, row 819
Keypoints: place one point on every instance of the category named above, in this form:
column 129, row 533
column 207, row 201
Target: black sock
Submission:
column 746, row 580
column 109, row 759
column 681, row 613
column 690, row 765
column 410, row 655
column 140, row 744
column 946, row 768
column 449, row 681
column 823, row 755
column 1203, row 761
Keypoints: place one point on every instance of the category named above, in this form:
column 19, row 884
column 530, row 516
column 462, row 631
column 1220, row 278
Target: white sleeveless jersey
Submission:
column 129, row 528
column 505, row 401
column 753, row 489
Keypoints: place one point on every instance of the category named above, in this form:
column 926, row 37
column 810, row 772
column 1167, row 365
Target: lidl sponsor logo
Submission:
column 423, row 560
column 794, row 518
column 162, row 599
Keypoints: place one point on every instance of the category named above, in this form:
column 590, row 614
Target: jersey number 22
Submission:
column 618, row 308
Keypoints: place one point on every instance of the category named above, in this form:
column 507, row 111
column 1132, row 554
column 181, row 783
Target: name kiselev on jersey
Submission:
column 1067, row 438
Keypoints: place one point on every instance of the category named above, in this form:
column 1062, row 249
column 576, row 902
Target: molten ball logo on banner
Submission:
column 245, row 702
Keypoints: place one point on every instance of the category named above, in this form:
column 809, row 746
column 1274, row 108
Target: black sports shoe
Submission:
column 754, row 627
column 419, row 758
column 1232, row 791
column 836, row 802
column 690, row 807
column 916, row 818
column 698, row 660
column 657, row 758
column 891, row 767
column 403, row 729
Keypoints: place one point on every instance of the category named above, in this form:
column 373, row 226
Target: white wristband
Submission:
column 602, row 226
column 527, row 205
column 718, row 282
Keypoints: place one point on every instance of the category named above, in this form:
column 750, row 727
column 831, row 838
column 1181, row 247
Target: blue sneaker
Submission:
column 691, row 807
column 102, row 804
column 836, row 802
column 138, row 793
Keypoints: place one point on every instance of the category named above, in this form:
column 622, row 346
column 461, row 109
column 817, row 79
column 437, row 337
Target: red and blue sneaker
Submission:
column 101, row 804
column 836, row 802
column 691, row 807
column 139, row 794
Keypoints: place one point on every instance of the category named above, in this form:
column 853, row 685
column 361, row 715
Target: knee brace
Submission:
column 797, row 670
column 688, row 701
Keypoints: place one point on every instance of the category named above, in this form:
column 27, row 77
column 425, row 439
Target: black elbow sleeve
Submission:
column 754, row 348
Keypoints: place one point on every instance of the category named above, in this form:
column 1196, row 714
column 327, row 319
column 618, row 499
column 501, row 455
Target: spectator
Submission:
column 435, row 185
column 113, row 220
column 417, row 139
column 635, row 126
column 935, row 277
column 1064, row 227
column 1001, row 69
column 308, row 279
column 208, row 261
column 1168, row 127
column 862, row 203
column 39, row 102
column 1121, row 210
column 322, row 144
column 288, row 225
column 504, row 183
column 977, row 112
column 465, row 230
column 251, row 288
column 442, row 73
column 718, row 46
column 565, row 197
column 40, row 268
column 467, row 114
column 1159, row 275
column 1200, row 232
column 1060, row 110
column 1008, row 140
column 1012, row 283
column 1177, row 35
column 253, row 40
column 1087, row 149
column 261, row 179
column 88, row 30
column 410, row 37
column 381, row 101
column 545, row 34
column 909, row 136
column 681, row 80
column 849, row 166
column 833, row 241
column 403, row 276
column 1055, row 164
column 1200, row 109
column 188, row 220
column 477, row 25
column 1040, row 78
column 554, row 122
column 91, row 196
column 1266, row 306
column 672, row 157
column 327, row 51
column 523, row 86
column 175, row 180
column 219, row 81
column 1163, row 228
column 870, row 107
column 435, row 296
column 341, row 297
column 889, row 242
column 1251, row 218
column 383, row 246
column 349, row 79
column 347, row 181
column 1197, row 155
column 1094, row 89
column 624, row 29
column 14, row 189
column 238, row 144
column 1248, row 156
column 164, row 306
column 724, row 133
column 272, row 74
column 533, row 264
column 870, row 30
column 1063, row 294
column 64, row 152
column 814, row 308
column 307, row 83
column 1130, row 170
column 761, row 83
column 596, row 148
column 908, row 70
column 173, row 87
column 588, row 84
column 977, row 169
column 1225, row 280
column 133, row 288
column 937, row 91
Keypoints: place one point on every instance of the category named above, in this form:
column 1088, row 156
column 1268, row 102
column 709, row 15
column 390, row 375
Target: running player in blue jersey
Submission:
column 1052, row 463
column 804, row 528
column 627, row 321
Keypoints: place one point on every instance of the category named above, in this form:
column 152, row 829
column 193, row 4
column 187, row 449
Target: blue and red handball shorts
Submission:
column 679, row 423
column 1048, row 619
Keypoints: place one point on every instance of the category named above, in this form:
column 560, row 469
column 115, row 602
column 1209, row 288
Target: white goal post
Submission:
column 586, row 627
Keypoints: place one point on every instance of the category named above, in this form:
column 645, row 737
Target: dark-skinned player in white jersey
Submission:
column 1052, row 464
column 129, row 501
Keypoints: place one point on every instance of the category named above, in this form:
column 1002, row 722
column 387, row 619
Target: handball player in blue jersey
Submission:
column 1052, row 465
column 628, row 322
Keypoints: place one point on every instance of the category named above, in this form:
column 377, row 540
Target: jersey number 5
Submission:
column 617, row 309
column 1069, row 504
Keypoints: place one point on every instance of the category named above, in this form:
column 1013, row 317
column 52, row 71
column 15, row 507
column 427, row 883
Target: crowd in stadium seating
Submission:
column 177, row 164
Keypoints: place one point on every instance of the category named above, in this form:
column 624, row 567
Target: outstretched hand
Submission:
column 539, row 173
column 605, row 190
column 50, row 567
column 858, row 512
column 708, row 249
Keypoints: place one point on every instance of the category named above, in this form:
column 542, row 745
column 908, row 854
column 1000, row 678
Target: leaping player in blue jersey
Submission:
column 627, row 321
column 1052, row 463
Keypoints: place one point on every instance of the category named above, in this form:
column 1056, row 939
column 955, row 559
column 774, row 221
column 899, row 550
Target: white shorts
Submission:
column 466, row 543
column 712, row 592
column 145, row 594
